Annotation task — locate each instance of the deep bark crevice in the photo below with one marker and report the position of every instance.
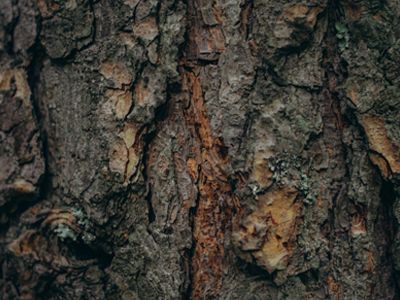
(210, 212)
(149, 137)
(161, 114)
(334, 124)
(33, 74)
(37, 56)
(390, 228)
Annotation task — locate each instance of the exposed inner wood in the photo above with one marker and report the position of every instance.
(212, 216)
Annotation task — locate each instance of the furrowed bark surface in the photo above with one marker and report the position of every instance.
(229, 149)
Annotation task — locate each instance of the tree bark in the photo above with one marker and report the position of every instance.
(228, 149)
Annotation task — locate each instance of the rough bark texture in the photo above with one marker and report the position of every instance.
(227, 149)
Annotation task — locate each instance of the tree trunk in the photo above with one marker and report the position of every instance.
(167, 149)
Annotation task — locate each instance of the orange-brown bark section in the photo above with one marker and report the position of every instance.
(213, 212)
(206, 39)
(207, 166)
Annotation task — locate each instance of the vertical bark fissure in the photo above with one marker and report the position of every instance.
(160, 116)
(388, 199)
(211, 217)
(333, 130)
(212, 212)
(335, 75)
(150, 210)
(33, 78)
(246, 17)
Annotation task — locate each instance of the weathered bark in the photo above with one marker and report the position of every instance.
(199, 149)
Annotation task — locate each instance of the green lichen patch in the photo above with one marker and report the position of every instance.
(343, 36)
(305, 188)
(284, 166)
(64, 232)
